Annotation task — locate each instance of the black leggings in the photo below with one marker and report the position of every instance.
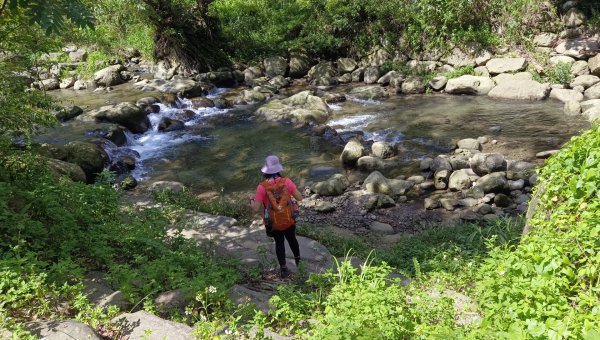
(290, 235)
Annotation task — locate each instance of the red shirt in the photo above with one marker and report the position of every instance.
(261, 193)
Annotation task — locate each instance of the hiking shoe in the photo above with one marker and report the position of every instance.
(297, 260)
(285, 273)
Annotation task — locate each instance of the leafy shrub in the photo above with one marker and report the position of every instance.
(560, 74)
(461, 71)
(96, 61)
(547, 286)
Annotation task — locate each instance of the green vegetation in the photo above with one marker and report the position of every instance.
(560, 74)
(461, 71)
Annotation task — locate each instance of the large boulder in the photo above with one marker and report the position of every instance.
(379, 184)
(109, 76)
(90, 157)
(368, 92)
(371, 74)
(139, 324)
(459, 180)
(516, 170)
(383, 149)
(593, 92)
(68, 113)
(352, 152)
(47, 84)
(503, 65)
(592, 114)
(594, 65)
(181, 87)
(275, 66)
(486, 163)
(61, 330)
(70, 170)
(545, 39)
(334, 186)
(299, 108)
(323, 74)
(413, 85)
(586, 81)
(346, 65)
(458, 58)
(469, 143)
(578, 48)
(574, 18)
(495, 182)
(580, 68)
(127, 114)
(468, 84)
(299, 65)
(522, 89)
(566, 95)
(221, 78)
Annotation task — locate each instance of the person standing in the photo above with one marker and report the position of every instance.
(274, 195)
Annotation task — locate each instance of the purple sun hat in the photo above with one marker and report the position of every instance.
(272, 165)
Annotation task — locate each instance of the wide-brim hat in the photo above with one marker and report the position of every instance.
(272, 165)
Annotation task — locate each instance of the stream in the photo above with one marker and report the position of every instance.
(222, 150)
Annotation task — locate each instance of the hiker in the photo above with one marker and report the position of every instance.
(274, 195)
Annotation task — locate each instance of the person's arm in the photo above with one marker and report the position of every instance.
(297, 195)
(255, 205)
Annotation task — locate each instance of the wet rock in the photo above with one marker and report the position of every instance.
(486, 163)
(127, 114)
(352, 152)
(459, 180)
(222, 103)
(168, 125)
(68, 113)
(368, 92)
(494, 182)
(502, 201)
(301, 108)
(184, 115)
(381, 228)
(334, 186)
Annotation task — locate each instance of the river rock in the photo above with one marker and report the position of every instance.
(438, 83)
(481, 71)
(459, 180)
(109, 76)
(573, 18)
(592, 114)
(545, 39)
(358, 74)
(580, 68)
(127, 114)
(345, 78)
(467, 84)
(504, 65)
(413, 85)
(323, 74)
(578, 48)
(275, 66)
(469, 143)
(137, 325)
(565, 95)
(334, 186)
(381, 228)
(61, 330)
(379, 201)
(546, 154)
(589, 104)
(299, 65)
(431, 203)
(368, 92)
(388, 78)
(300, 108)
(521, 90)
(181, 87)
(449, 203)
(252, 73)
(346, 65)
(561, 59)
(425, 164)
(166, 186)
(67, 82)
(72, 171)
(371, 74)
(594, 65)
(90, 157)
(503, 77)
(352, 152)
(474, 192)
(440, 163)
(324, 207)
(458, 58)
(486, 163)
(502, 201)
(572, 108)
(68, 113)
(47, 84)
(252, 96)
(378, 57)
(370, 163)
(383, 149)
(459, 162)
(586, 81)
(593, 92)
(377, 183)
(440, 178)
(494, 182)
(167, 125)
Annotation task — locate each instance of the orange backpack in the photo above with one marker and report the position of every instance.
(279, 210)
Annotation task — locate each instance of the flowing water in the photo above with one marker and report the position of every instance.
(223, 150)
